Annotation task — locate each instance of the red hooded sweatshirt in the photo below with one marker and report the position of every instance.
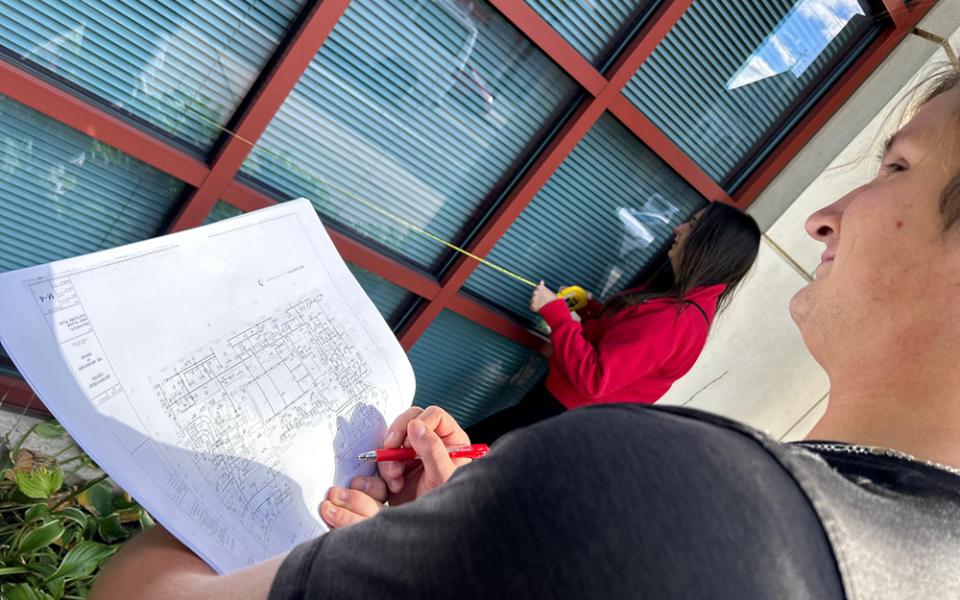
(634, 355)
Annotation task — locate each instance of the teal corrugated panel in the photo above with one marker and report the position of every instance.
(181, 66)
(730, 77)
(63, 193)
(388, 298)
(220, 211)
(589, 25)
(604, 215)
(420, 107)
(470, 371)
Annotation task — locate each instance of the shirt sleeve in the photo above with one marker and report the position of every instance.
(630, 350)
(466, 534)
(642, 503)
(591, 310)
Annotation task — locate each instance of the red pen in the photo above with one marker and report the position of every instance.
(398, 454)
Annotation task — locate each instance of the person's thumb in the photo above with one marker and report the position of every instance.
(437, 464)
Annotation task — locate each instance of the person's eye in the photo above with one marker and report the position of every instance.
(891, 166)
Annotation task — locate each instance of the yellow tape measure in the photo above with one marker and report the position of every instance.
(574, 295)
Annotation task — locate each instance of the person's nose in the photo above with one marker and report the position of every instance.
(824, 225)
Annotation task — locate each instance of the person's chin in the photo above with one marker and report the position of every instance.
(807, 302)
(800, 303)
(822, 270)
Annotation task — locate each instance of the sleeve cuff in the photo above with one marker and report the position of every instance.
(293, 576)
(555, 313)
(592, 309)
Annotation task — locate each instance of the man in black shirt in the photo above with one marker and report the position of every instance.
(628, 501)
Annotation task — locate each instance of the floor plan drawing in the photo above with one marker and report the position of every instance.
(225, 376)
(243, 398)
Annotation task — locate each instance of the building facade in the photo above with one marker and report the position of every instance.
(563, 140)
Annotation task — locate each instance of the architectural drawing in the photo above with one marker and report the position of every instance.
(225, 376)
(237, 404)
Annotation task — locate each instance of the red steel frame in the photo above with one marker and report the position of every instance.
(552, 44)
(287, 70)
(561, 146)
(217, 181)
(899, 12)
(905, 20)
(69, 110)
(17, 394)
(247, 199)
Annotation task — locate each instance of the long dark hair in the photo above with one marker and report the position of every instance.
(721, 248)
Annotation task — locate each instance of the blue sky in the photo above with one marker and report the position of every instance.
(797, 40)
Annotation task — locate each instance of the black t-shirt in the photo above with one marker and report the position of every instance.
(619, 501)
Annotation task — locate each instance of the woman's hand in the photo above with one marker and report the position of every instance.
(541, 297)
(428, 431)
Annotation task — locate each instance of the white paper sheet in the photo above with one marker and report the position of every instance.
(224, 376)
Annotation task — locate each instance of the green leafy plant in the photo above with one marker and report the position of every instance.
(56, 530)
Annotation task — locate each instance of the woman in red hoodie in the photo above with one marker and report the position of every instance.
(635, 346)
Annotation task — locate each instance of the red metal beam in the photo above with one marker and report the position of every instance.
(552, 44)
(898, 11)
(641, 48)
(643, 45)
(61, 106)
(276, 86)
(15, 393)
(78, 114)
(527, 20)
(494, 321)
(667, 150)
(246, 198)
(557, 151)
(814, 120)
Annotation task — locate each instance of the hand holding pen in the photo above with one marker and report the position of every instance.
(403, 454)
(429, 433)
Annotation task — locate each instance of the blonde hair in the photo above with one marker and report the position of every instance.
(940, 80)
(939, 83)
